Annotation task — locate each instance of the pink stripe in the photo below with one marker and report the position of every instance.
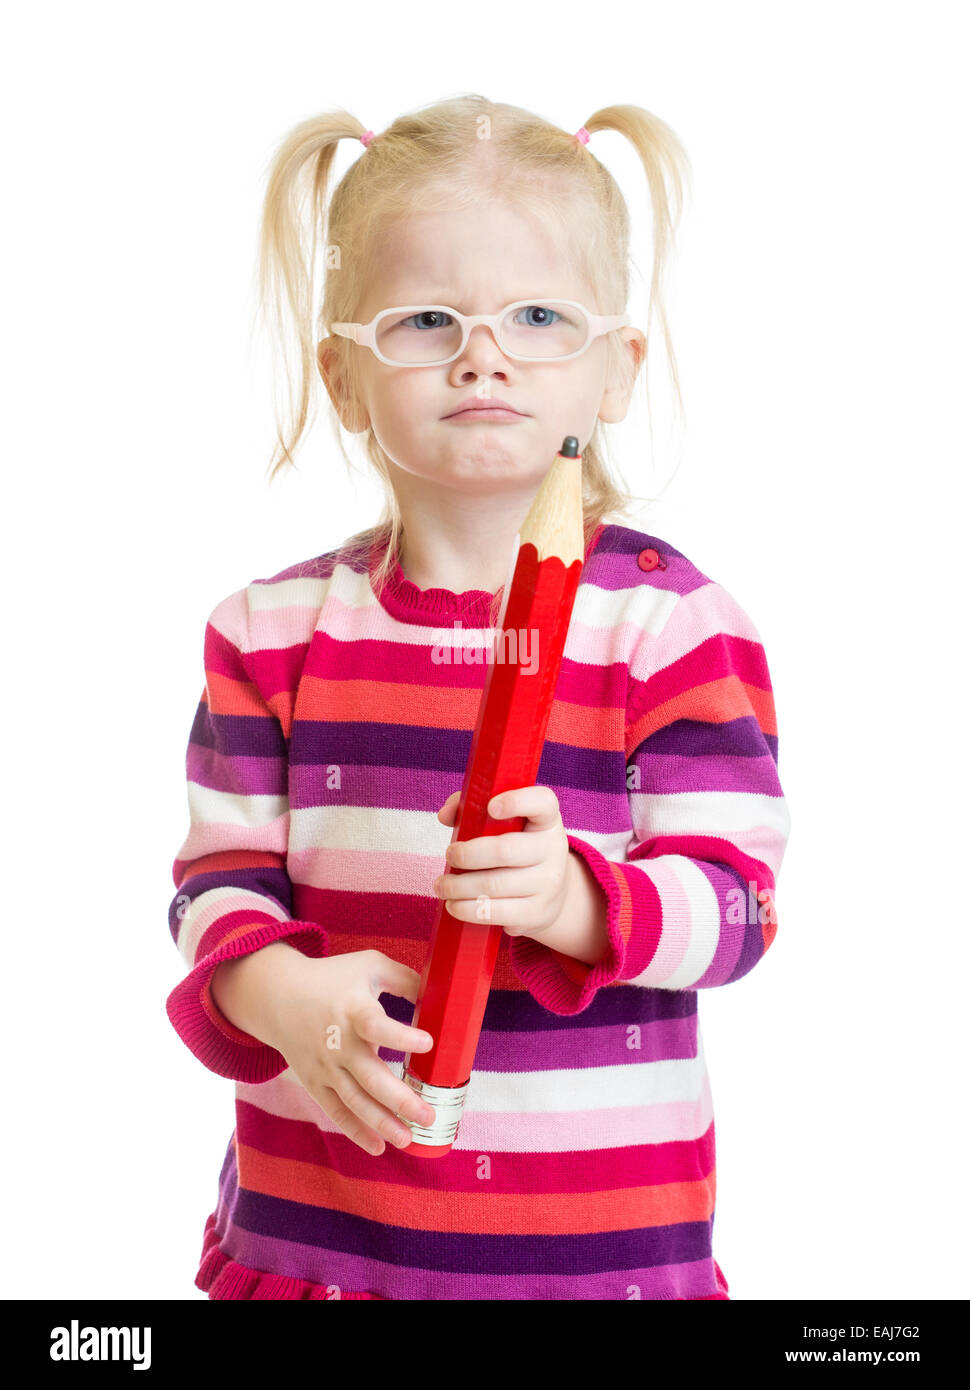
(676, 925)
(211, 837)
(366, 871)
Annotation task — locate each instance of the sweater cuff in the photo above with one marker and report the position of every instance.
(218, 1044)
(560, 983)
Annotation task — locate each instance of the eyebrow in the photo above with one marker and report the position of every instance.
(455, 301)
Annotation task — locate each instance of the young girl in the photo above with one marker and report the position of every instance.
(330, 744)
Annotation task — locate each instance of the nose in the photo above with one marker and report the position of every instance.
(482, 355)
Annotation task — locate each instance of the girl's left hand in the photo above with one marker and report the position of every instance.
(522, 876)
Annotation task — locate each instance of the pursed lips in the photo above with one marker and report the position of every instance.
(483, 409)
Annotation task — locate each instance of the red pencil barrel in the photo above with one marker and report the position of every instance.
(506, 752)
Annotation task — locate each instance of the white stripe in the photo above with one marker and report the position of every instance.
(691, 914)
(391, 831)
(708, 813)
(287, 593)
(208, 806)
(630, 1084)
(642, 607)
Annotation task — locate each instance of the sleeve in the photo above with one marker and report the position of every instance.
(234, 895)
(692, 903)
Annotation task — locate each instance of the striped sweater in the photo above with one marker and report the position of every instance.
(326, 739)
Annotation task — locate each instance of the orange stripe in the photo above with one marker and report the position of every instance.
(713, 703)
(227, 696)
(474, 1213)
(455, 708)
(585, 726)
(763, 704)
(388, 702)
(282, 706)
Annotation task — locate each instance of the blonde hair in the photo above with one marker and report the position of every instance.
(446, 156)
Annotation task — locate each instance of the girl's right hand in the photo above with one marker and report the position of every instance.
(323, 1015)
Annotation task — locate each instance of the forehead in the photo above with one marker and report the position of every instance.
(476, 260)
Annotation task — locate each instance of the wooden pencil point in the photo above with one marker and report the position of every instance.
(554, 524)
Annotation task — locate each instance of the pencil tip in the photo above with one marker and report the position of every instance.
(570, 447)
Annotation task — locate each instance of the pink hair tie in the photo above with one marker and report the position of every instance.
(582, 135)
(367, 137)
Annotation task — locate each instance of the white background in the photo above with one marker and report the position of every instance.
(819, 312)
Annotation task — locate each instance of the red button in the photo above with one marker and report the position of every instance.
(649, 560)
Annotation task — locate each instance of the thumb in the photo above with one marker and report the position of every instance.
(394, 977)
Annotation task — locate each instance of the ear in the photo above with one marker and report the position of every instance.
(617, 393)
(353, 418)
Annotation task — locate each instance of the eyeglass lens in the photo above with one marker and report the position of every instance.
(546, 329)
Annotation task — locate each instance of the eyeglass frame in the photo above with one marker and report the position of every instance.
(365, 334)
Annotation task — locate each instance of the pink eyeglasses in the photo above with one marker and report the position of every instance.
(425, 335)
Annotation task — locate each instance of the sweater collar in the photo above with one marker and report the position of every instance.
(407, 603)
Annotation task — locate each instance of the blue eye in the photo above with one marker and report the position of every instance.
(547, 315)
(436, 315)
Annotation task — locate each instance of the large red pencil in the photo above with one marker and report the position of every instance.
(505, 753)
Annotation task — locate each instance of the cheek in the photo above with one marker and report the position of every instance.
(411, 397)
(399, 405)
(583, 390)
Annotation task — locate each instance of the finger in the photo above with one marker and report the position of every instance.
(376, 1027)
(514, 849)
(492, 883)
(370, 1123)
(333, 1097)
(539, 805)
(515, 915)
(347, 1122)
(378, 1081)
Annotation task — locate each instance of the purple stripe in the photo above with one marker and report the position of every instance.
(665, 1041)
(740, 738)
(665, 773)
(400, 1282)
(413, 788)
(613, 565)
(670, 1015)
(245, 776)
(452, 1252)
(258, 735)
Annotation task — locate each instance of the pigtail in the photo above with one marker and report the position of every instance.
(668, 171)
(292, 232)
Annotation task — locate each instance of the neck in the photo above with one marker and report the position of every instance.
(460, 553)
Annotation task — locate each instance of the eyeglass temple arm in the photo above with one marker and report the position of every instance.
(603, 323)
(346, 330)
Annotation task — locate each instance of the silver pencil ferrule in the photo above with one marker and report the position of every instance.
(447, 1103)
